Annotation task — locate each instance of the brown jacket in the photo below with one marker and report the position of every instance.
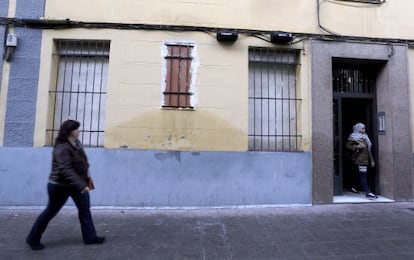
(360, 156)
(69, 166)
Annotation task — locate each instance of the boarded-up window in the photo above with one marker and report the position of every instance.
(177, 93)
(81, 86)
(273, 102)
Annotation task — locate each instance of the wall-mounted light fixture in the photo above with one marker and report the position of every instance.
(11, 45)
(227, 36)
(281, 37)
(381, 123)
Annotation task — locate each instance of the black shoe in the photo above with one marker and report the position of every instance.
(97, 240)
(35, 245)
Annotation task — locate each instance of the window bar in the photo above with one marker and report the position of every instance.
(282, 93)
(55, 97)
(352, 75)
(355, 80)
(169, 85)
(296, 113)
(345, 85)
(93, 95)
(289, 102)
(342, 81)
(69, 71)
(261, 100)
(254, 102)
(268, 101)
(100, 89)
(180, 59)
(86, 95)
(73, 60)
(351, 78)
(79, 81)
(188, 77)
(275, 73)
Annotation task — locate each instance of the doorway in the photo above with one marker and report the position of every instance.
(353, 102)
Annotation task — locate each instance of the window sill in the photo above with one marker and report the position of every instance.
(179, 108)
(366, 1)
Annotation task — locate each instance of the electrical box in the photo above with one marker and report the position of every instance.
(281, 37)
(227, 36)
(11, 40)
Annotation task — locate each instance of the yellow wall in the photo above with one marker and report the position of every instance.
(391, 19)
(134, 117)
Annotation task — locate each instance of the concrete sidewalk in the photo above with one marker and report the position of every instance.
(362, 231)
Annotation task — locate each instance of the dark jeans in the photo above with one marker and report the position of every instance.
(58, 195)
(362, 178)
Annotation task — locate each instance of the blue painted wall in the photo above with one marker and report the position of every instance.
(166, 179)
(24, 76)
(4, 9)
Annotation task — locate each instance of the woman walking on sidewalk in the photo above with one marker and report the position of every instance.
(360, 146)
(69, 178)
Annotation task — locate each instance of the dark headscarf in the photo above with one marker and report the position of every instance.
(65, 129)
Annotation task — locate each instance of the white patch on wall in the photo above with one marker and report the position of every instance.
(195, 63)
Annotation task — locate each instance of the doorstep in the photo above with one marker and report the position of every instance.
(349, 197)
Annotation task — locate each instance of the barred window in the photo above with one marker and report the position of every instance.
(177, 93)
(80, 91)
(273, 102)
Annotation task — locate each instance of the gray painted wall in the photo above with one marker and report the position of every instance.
(23, 79)
(392, 97)
(166, 179)
(4, 9)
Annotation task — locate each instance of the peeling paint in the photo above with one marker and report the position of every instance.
(168, 155)
(174, 130)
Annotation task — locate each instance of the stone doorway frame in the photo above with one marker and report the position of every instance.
(395, 147)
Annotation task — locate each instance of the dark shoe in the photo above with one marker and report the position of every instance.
(97, 240)
(371, 195)
(35, 245)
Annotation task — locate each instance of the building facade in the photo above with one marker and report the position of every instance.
(172, 116)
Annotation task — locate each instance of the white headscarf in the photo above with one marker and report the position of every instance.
(358, 136)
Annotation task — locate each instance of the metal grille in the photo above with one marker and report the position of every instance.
(177, 91)
(81, 86)
(273, 102)
(353, 80)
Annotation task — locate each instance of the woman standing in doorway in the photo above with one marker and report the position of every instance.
(69, 178)
(360, 146)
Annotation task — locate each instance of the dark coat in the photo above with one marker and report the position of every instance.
(69, 166)
(359, 156)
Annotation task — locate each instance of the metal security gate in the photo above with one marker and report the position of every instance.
(354, 85)
(81, 87)
(273, 100)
